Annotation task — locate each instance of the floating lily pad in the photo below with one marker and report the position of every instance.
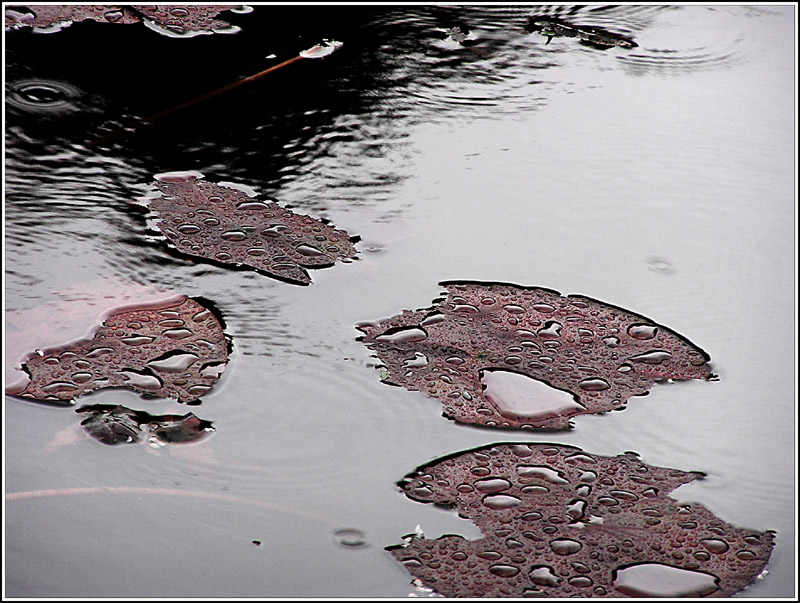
(552, 27)
(559, 522)
(170, 19)
(175, 349)
(509, 356)
(226, 226)
(121, 425)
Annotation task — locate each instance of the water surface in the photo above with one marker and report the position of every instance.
(659, 179)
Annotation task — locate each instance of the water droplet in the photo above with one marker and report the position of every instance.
(188, 229)
(550, 330)
(253, 205)
(543, 576)
(178, 177)
(197, 390)
(143, 381)
(171, 322)
(403, 335)
(542, 472)
(594, 385)
(565, 546)
(177, 333)
(81, 377)
(465, 308)
(659, 580)
(519, 396)
(611, 341)
(419, 360)
(503, 570)
(433, 319)
(581, 581)
(173, 363)
(137, 340)
(715, 545)
(624, 495)
(234, 235)
(490, 485)
(309, 251)
(577, 509)
(501, 501)
(746, 555)
(490, 555)
(59, 387)
(642, 331)
(514, 309)
(653, 357)
(544, 308)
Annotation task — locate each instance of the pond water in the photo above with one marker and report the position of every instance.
(659, 179)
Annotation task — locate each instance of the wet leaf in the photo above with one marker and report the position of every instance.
(172, 349)
(121, 425)
(53, 15)
(226, 226)
(170, 19)
(509, 356)
(559, 522)
(594, 36)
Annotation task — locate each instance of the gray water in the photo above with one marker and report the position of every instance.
(659, 179)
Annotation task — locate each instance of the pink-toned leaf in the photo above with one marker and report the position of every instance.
(559, 522)
(184, 19)
(173, 349)
(228, 227)
(508, 356)
(173, 19)
(47, 15)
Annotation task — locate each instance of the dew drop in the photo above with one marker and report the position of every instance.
(551, 330)
(309, 251)
(188, 229)
(137, 340)
(519, 396)
(503, 570)
(501, 501)
(142, 381)
(715, 545)
(81, 377)
(491, 485)
(59, 387)
(653, 357)
(565, 546)
(177, 333)
(659, 580)
(543, 576)
(594, 385)
(403, 335)
(173, 363)
(541, 472)
(234, 235)
(642, 331)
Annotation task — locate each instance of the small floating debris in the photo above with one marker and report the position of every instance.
(121, 425)
(502, 355)
(559, 522)
(552, 27)
(228, 227)
(174, 349)
(167, 19)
